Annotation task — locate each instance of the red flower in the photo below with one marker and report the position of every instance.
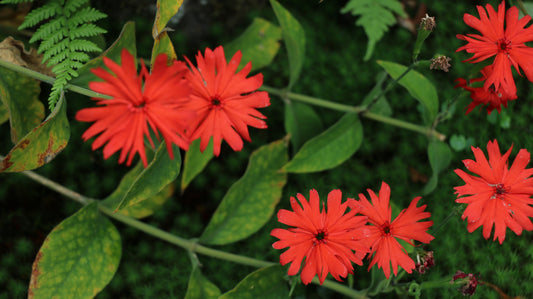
(482, 96)
(326, 239)
(384, 233)
(499, 195)
(507, 45)
(123, 120)
(225, 102)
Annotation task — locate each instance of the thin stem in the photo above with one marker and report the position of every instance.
(311, 100)
(356, 109)
(389, 86)
(439, 283)
(191, 246)
(50, 80)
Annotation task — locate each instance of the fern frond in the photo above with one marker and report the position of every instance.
(14, 1)
(79, 56)
(40, 14)
(84, 45)
(53, 39)
(85, 15)
(57, 49)
(49, 29)
(85, 30)
(375, 16)
(62, 38)
(72, 5)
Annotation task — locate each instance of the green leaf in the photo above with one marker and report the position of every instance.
(4, 114)
(126, 40)
(160, 172)
(144, 208)
(163, 45)
(250, 202)
(20, 97)
(265, 283)
(458, 142)
(381, 106)
(166, 9)
(40, 145)
(329, 149)
(200, 287)
(301, 122)
(195, 162)
(78, 258)
(375, 16)
(259, 43)
(418, 86)
(294, 38)
(440, 156)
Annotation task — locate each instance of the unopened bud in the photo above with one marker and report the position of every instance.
(428, 23)
(440, 62)
(469, 282)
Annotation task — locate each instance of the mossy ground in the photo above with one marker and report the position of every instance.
(333, 70)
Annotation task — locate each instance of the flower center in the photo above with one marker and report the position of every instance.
(385, 228)
(499, 191)
(216, 103)
(320, 237)
(504, 45)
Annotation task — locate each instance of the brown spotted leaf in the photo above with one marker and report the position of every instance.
(40, 145)
(78, 258)
(20, 96)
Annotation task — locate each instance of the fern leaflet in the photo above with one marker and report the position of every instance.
(375, 16)
(65, 25)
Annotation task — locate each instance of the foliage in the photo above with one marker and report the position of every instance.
(63, 38)
(375, 16)
(218, 190)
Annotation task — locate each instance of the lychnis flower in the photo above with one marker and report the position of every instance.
(326, 239)
(384, 233)
(123, 121)
(498, 196)
(225, 102)
(486, 96)
(507, 45)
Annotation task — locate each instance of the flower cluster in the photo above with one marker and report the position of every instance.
(331, 240)
(210, 101)
(503, 36)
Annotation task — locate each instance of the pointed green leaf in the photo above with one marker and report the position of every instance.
(264, 283)
(126, 40)
(144, 208)
(160, 172)
(329, 149)
(259, 43)
(195, 162)
(294, 38)
(42, 144)
(78, 258)
(163, 45)
(440, 156)
(250, 201)
(301, 122)
(200, 287)
(166, 9)
(4, 114)
(20, 97)
(418, 86)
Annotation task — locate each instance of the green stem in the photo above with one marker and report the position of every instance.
(356, 109)
(439, 283)
(189, 245)
(50, 80)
